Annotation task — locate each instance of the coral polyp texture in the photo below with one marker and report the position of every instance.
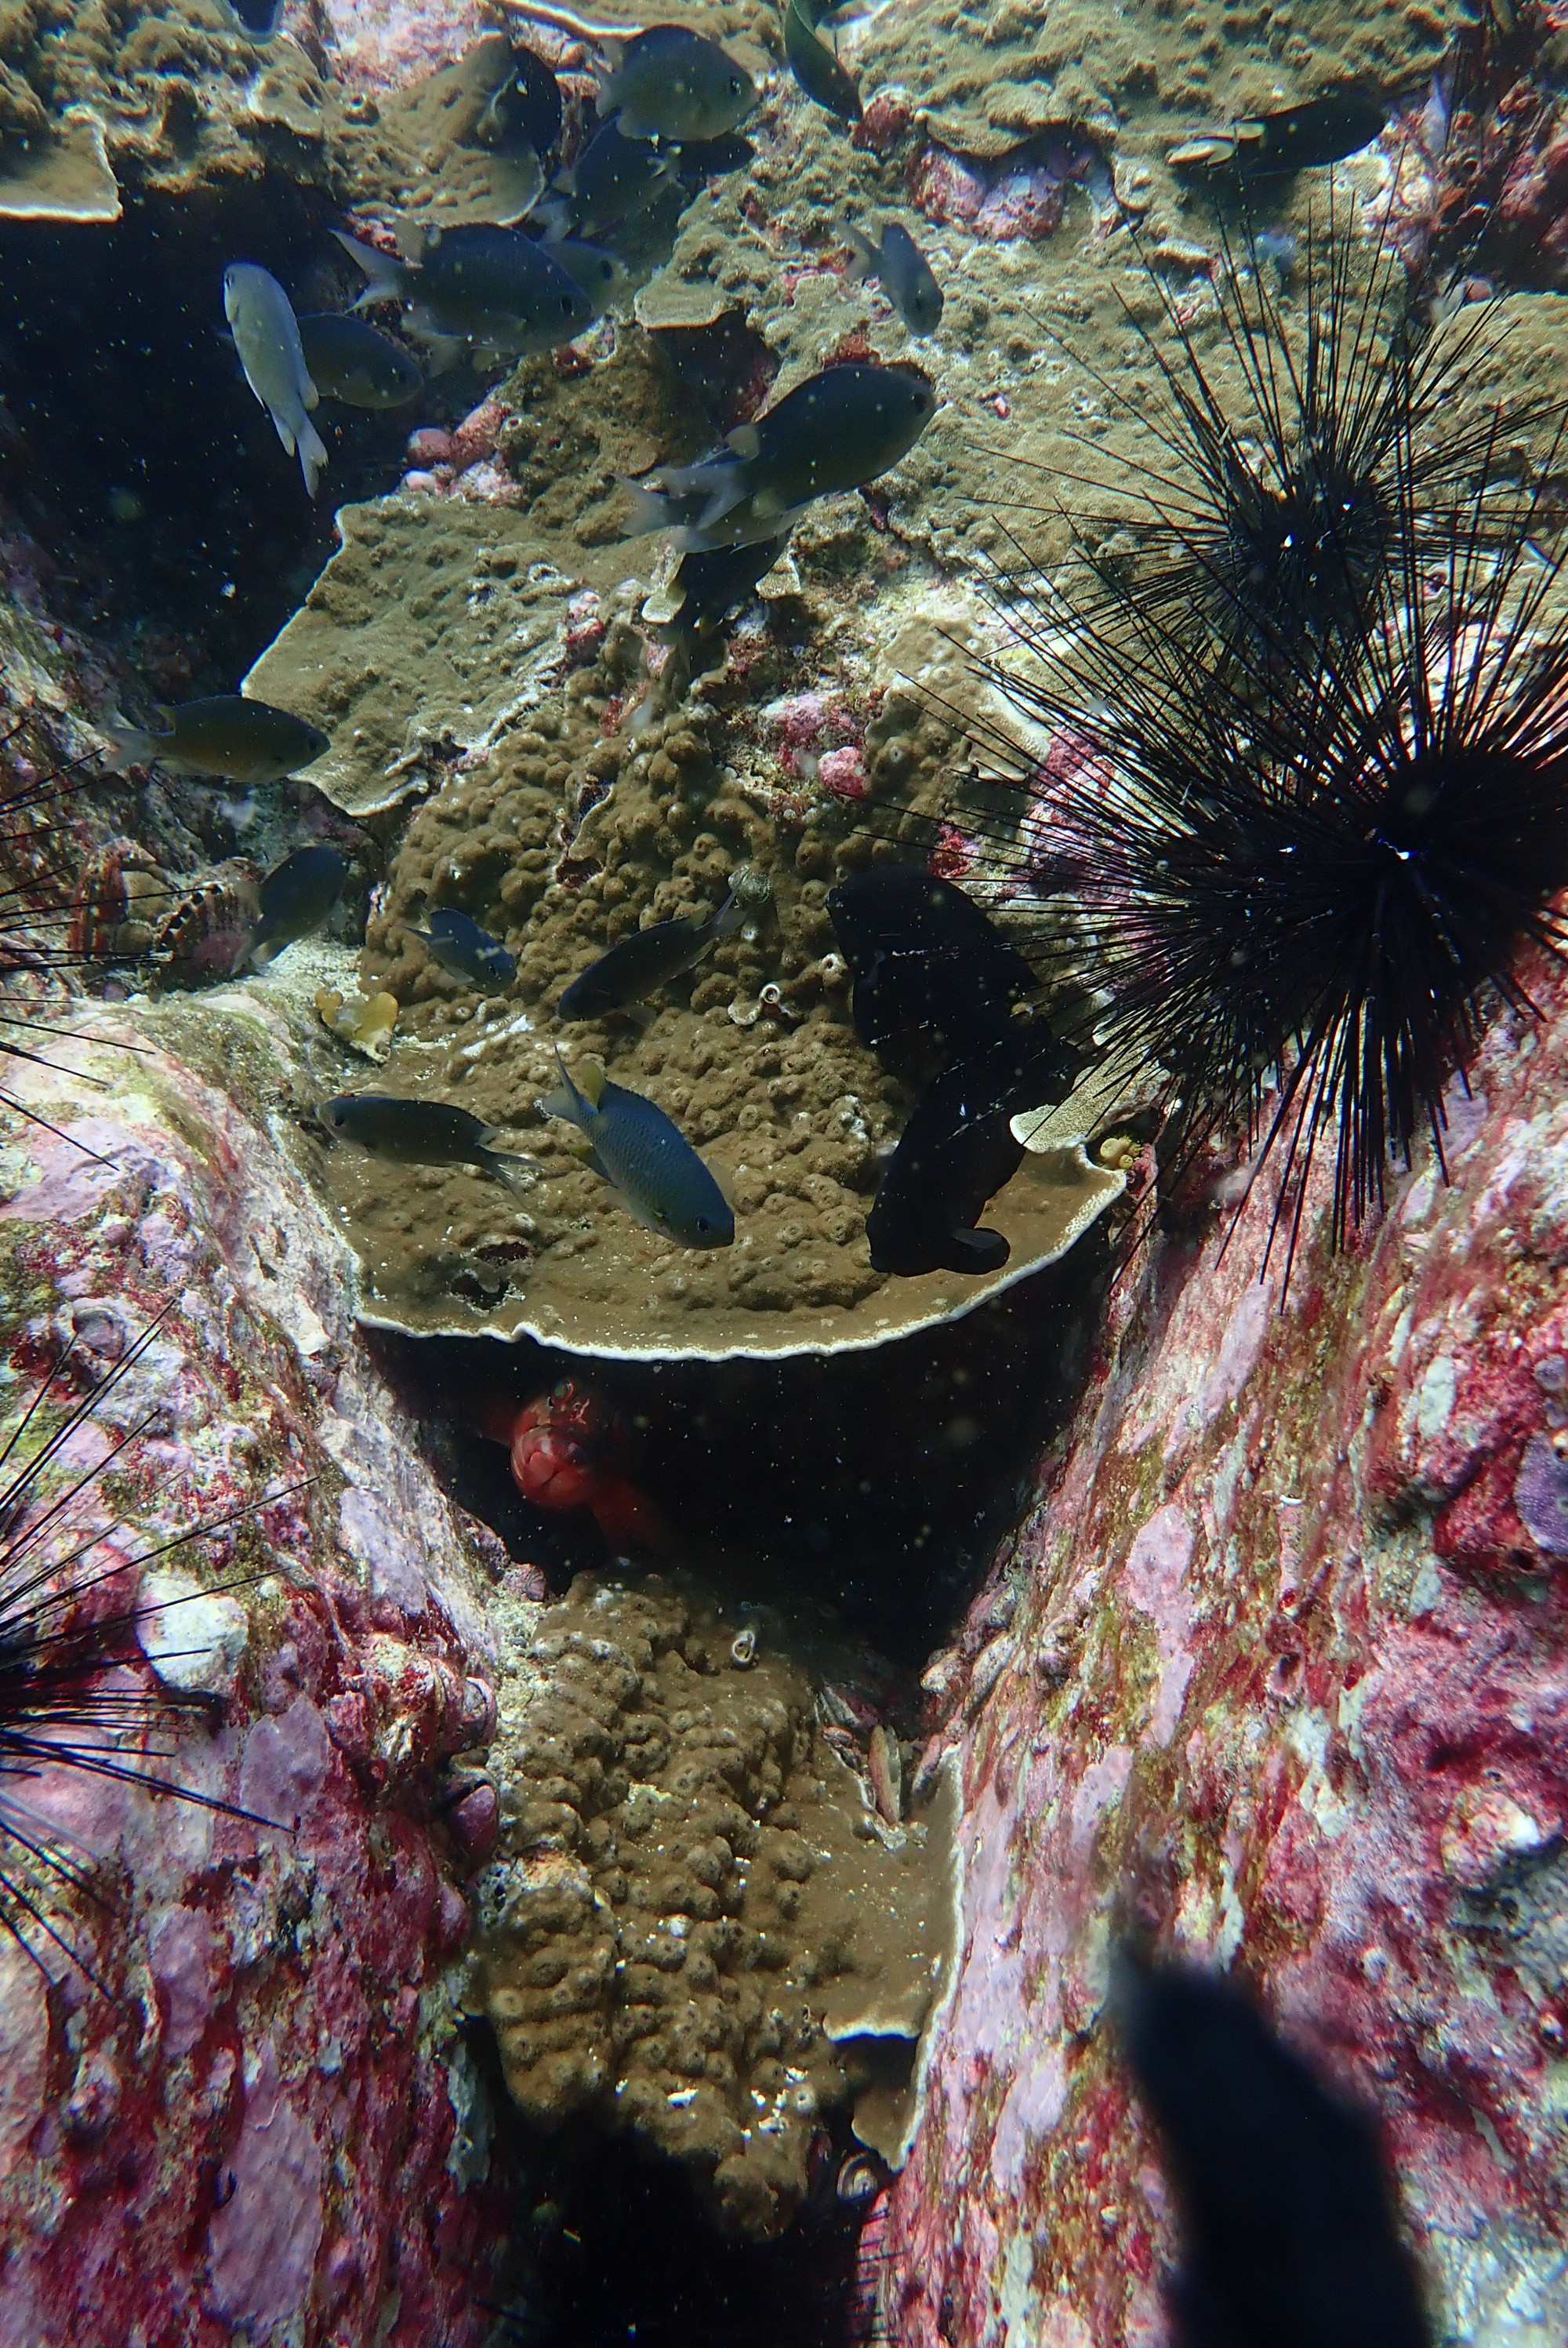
(699, 1930)
(1271, 1672)
(241, 2108)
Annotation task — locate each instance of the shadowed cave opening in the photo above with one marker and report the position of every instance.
(133, 450)
(877, 1485)
(609, 2247)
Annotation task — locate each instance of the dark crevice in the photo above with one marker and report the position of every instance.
(611, 2246)
(878, 1483)
(133, 450)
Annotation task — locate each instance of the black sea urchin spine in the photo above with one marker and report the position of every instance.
(1264, 514)
(62, 1632)
(1305, 907)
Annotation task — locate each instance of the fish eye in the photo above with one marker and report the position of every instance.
(704, 1224)
(567, 305)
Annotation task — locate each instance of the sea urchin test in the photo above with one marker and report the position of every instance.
(487, 285)
(227, 735)
(645, 1158)
(838, 431)
(672, 83)
(267, 337)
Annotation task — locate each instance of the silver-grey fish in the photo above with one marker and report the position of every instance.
(672, 83)
(463, 949)
(635, 966)
(486, 284)
(350, 360)
(248, 742)
(296, 897)
(612, 179)
(905, 272)
(602, 274)
(267, 337)
(645, 1158)
(424, 1133)
(835, 431)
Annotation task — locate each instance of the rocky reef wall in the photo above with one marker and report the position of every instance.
(254, 2074)
(1274, 1670)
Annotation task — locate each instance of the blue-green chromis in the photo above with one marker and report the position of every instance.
(645, 1158)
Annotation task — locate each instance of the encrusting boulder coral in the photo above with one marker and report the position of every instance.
(697, 1927)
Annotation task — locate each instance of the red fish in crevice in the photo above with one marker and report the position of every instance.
(566, 1452)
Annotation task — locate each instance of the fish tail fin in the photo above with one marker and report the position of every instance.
(627, 1518)
(313, 457)
(592, 1082)
(867, 256)
(727, 495)
(732, 912)
(566, 1101)
(442, 352)
(649, 509)
(129, 746)
(384, 270)
(518, 1173)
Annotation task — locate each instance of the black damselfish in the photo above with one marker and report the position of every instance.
(957, 1150)
(1322, 130)
(932, 974)
(1290, 2234)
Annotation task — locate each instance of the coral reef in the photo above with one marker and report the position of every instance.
(266, 2123)
(699, 1929)
(1273, 1669)
(752, 1051)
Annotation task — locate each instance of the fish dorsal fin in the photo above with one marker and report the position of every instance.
(590, 1082)
(745, 440)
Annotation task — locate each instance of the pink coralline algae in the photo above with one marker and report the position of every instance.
(1016, 199)
(385, 44)
(259, 2128)
(843, 772)
(463, 463)
(1274, 1670)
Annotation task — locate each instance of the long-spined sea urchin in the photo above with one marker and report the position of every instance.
(1308, 907)
(66, 1637)
(1263, 511)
